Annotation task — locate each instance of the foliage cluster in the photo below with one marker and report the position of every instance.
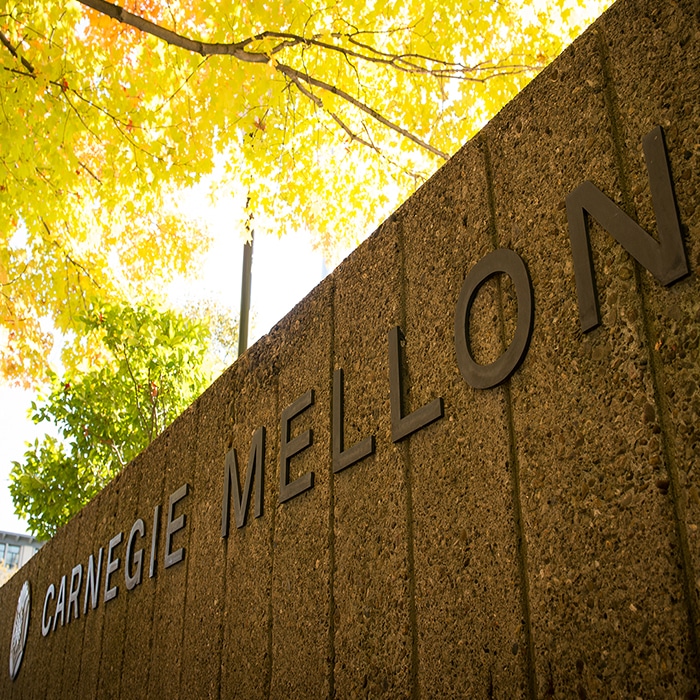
(154, 364)
(309, 114)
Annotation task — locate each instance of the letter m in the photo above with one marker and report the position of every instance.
(256, 462)
(664, 258)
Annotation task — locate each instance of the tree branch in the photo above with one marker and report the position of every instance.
(319, 102)
(292, 73)
(14, 279)
(8, 45)
(136, 387)
(237, 50)
(201, 47)
(89, 172)
(67, 255)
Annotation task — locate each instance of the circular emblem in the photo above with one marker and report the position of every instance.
(20, 629)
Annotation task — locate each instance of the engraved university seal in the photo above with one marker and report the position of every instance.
(20, 629)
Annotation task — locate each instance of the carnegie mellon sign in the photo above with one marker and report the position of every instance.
(131, 556)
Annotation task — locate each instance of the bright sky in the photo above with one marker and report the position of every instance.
(15, 430)
(284, 271)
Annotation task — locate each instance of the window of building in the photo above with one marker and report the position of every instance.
(12, 556)
(2, 552)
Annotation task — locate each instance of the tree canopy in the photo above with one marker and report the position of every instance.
(152, 365)
(309, 114)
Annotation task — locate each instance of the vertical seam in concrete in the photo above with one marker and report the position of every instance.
(404, 450)
(270, 609)
(188, 556)
(126, 622)
(82, 640)
(158, 568)
(224, 598)
(104, 605)
(81, 618)
(102, 640)
(331, 514)
(64, 628)
(520, 540)
(75, 619)
(655, 369)
(126, 605)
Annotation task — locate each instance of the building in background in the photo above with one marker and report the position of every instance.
(16, 550)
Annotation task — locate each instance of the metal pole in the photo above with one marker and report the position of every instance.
(245, 295)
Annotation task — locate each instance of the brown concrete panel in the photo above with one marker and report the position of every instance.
(171, 583)
(113, 612)
(69, 671)
(10, 592)
(301, 562)
(61, 552)
(204, 599)
(251, 403)
(32, 660)
(471, 640)
(141, 600)
(98, 526)
(655, 73)
(371, 617)
(605, 590)
(116, 611)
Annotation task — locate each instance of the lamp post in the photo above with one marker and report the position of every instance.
(245, 294)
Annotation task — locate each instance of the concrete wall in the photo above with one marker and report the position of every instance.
(539, 539)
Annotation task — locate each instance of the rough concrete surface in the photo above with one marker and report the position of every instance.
(246, 662)
(300, 595)
(465, 535)
(142, 601)
(372, 617)
(536, 539)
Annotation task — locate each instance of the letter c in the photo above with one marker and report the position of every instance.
(46, 626)
(487, 376)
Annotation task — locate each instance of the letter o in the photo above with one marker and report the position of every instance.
(487, 376)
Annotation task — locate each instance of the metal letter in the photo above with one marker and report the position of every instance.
(403, 426)
(112, 566)
(77, 573)
(256, 463)
(343, 458)
(289, 448)
(154, 541)
(138, 528)
(173, 526)
(486, 376)
(92, 582)
(46, 626)
(60, 604)
(665, 259)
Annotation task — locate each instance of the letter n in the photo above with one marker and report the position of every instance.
(256, 463)
(664, 258)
